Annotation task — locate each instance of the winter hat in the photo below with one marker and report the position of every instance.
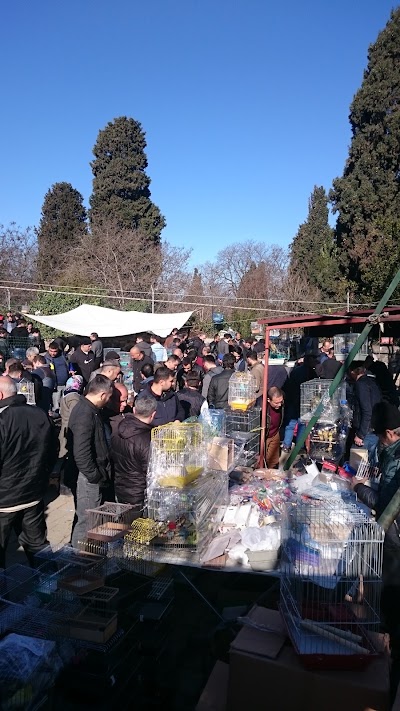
(112, 355)
(74, 384)
(385, 416)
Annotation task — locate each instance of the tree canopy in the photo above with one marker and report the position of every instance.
(121, 186)
(367, 197)
(62, 224)
(312, 252)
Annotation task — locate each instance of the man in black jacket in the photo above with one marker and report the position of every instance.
(169, 409)
(88, 444)
(139, 359)
(219, 386)
(83, 360)
(130, 447)
(27, 455)
(386, 423)
(190, 397)
(366, 394)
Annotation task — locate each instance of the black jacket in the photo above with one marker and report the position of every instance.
(218, 390)
(130, 446)
(168, 406)
(137, 365)
(84, 364)
(27, 452)
(328, 369)
(389, 464)
(191, 401)
(366, 395)
(87, 442)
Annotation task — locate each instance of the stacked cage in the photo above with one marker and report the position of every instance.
(344, 342)
(242, 391)
(109, 522)
(245, 428)
(331, 582)
(326, 440)
(182, 496)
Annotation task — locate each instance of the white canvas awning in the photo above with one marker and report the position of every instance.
(108, 322)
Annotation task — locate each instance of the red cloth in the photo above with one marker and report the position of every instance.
(276, 416)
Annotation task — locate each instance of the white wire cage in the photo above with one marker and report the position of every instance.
(242, 391)
(311, 394)
(344, 342)
(331, 581)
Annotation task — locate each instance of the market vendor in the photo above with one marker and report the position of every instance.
(275, 412)
(386, 424)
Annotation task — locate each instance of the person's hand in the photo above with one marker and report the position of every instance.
(358, 441)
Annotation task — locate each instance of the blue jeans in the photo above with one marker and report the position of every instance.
(289, 431)
(88, 496)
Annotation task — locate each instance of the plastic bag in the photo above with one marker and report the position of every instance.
(267, 538)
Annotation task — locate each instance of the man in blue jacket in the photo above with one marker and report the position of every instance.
(169, 409)
(57, 362)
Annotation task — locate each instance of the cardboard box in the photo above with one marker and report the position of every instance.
(221, 453)
(265, 671)
(214, 693)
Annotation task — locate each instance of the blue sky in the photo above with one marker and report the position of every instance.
(244, 102)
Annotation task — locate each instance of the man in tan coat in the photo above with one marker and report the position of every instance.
(256, 368)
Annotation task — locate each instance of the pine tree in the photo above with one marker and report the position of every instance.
(120, 185)
(367, 196)
(62, 224)
(312, 252)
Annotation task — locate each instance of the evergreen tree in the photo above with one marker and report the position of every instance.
(120, 185)
(62, 224)
(312, 252)
(367, 196)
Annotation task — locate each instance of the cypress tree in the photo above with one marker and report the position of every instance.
(312, 251)
(62, 224)
(121, 186)
(367, 197)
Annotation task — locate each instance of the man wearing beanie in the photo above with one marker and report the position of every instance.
(386, 424)
(83, 361)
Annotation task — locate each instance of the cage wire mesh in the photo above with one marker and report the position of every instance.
(311, 394)
(331, 581)
(177, 455)
(326, 442)
(242, 391)
(109, 521)
(245, 430)
(368, 471)
(344, 342)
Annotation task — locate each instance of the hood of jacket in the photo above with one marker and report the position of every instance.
(131, 426)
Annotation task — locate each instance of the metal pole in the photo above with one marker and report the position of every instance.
(264, 401)
(348, 302)
(152, 299)
(340, 375)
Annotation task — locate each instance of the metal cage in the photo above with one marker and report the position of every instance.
(331, 581)
(311, 394)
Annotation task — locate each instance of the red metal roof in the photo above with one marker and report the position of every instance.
(335, 319)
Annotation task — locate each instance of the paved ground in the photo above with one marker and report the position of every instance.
(59, 516)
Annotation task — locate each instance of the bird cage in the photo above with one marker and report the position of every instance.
(27, 388)
(177, 455)
(242, 391)
(245, 430)
(326, 442)
(344, 342)
(175, 437)
(311, 394)
(331, 582)
(366, 470)
(109, 522)
(187, 518)
(248, 421)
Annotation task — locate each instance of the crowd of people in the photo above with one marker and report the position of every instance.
(87, 428)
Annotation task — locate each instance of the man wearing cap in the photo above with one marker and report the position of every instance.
(83, 361)
(386, 424)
